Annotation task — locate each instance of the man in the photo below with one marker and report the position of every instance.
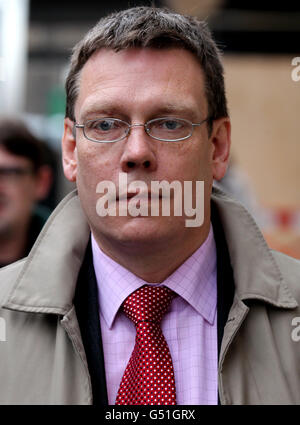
(24, 180)
(144, 308)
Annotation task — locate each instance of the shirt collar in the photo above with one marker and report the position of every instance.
(115, 283)
(194, 281)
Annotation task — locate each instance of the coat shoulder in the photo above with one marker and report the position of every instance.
(290, 270)
(8, 277)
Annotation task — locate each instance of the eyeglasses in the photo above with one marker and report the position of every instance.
(166, 129)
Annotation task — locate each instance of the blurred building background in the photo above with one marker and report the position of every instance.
(260, 40)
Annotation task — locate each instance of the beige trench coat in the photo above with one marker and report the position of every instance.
(43, 361)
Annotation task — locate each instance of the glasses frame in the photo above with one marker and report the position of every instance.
(146, 128)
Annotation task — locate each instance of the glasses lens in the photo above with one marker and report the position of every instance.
(170, 129)
(105, 130)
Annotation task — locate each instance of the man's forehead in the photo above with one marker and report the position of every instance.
(164, 71)
(176, 63)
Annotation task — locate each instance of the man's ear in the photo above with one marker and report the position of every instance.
(69, 151)
(220, 139)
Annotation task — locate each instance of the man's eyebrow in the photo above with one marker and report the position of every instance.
(95, 110)
(182, 109)
(187, 110)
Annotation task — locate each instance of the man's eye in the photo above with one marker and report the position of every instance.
(104, 125)
(171, 125)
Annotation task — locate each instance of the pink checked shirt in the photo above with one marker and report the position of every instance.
(190, 326)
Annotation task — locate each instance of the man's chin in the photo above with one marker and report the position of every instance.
(138, 231)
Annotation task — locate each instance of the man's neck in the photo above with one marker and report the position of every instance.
(154, 261)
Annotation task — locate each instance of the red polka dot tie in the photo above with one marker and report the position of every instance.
(149, 376)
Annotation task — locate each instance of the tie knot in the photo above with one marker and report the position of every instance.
(148, 303)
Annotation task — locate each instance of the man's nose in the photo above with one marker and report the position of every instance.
(139, 151)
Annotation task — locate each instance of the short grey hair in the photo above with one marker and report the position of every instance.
(151, 27)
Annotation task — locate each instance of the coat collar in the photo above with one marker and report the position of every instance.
(47, 279)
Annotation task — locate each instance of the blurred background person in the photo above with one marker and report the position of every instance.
(25, 179)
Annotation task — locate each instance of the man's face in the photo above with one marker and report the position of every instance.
(17, 192)
(137, 85)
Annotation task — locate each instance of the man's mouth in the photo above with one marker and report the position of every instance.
(140, 195)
